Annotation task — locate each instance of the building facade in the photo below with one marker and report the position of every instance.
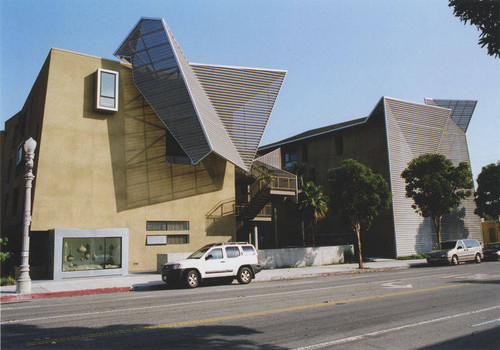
(133, 157)
(392, 135)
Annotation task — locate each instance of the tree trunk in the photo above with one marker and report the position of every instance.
(303, 233)
(437, 225)
(358, 235)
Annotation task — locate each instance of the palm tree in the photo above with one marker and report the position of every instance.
(313, 204)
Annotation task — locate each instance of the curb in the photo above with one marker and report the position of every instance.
(72, 293)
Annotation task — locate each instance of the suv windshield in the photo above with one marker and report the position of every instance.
(448, 245)
(199, 253)
(492, 246)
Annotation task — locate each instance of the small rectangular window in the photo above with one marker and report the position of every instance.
(156, 240)
(107, 90)
(167, 226)
(178, 239)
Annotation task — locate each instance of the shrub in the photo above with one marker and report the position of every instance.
(8, 281)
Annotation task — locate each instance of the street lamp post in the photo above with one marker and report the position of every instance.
(24, 280)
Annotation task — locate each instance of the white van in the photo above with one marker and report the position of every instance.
(455, 252)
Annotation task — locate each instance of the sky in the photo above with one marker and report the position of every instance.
(341, 56)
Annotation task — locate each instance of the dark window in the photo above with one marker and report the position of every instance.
(339, 144)
(232, 252)
(19, 154)
(290, 159)
(167, 225)
(248, 250)
(178, 239)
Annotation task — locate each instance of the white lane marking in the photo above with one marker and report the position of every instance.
(486, 322)
(393, 285)
(51, 306)
(385, 331)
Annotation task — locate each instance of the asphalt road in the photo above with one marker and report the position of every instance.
(420, 308)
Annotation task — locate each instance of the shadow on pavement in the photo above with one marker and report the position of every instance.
(487, 339)
(131, 336)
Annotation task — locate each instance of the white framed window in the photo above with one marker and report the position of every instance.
(107, 90)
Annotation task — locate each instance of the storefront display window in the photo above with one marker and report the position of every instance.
(91, 253)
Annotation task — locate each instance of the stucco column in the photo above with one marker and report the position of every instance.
(256, 236)
(24, 281)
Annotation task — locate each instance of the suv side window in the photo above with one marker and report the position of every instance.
(216, 253)
(232, 252)
(248, 250)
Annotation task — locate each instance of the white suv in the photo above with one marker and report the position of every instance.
(219, 260)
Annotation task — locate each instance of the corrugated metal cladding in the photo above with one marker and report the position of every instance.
(461, 110)
(414, 129)
(243, 99)
(272, 158)
(227, 115)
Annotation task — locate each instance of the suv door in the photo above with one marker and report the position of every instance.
(215, 264)
(233, 259)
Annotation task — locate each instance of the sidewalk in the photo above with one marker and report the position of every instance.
(144, 281)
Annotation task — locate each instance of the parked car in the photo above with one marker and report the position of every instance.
(492, 251)
(220, 260)
(454, 252)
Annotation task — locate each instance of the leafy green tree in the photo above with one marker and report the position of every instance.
(313, 205)
(436, 186)
(4, 255)
(359, 195)
(485, 15)
(487, 196)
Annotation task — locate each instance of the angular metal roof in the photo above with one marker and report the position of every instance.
(461, 110)
(205, 108)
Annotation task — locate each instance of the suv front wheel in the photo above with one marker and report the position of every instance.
(192, 279)
(244, 275)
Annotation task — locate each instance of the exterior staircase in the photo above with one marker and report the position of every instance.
(269, 182)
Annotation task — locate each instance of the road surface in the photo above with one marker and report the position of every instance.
(420, 308)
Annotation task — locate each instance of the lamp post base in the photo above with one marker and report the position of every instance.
(23, 286)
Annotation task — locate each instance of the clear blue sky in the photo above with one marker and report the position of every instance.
(341, 56)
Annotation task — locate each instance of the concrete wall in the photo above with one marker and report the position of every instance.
(297, 257)
(99, 170)
(284, 257)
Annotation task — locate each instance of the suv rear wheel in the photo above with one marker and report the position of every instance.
(244, 275)
(454, 260)
(192, 279)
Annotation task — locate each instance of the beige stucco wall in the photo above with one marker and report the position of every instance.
(101, 170)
